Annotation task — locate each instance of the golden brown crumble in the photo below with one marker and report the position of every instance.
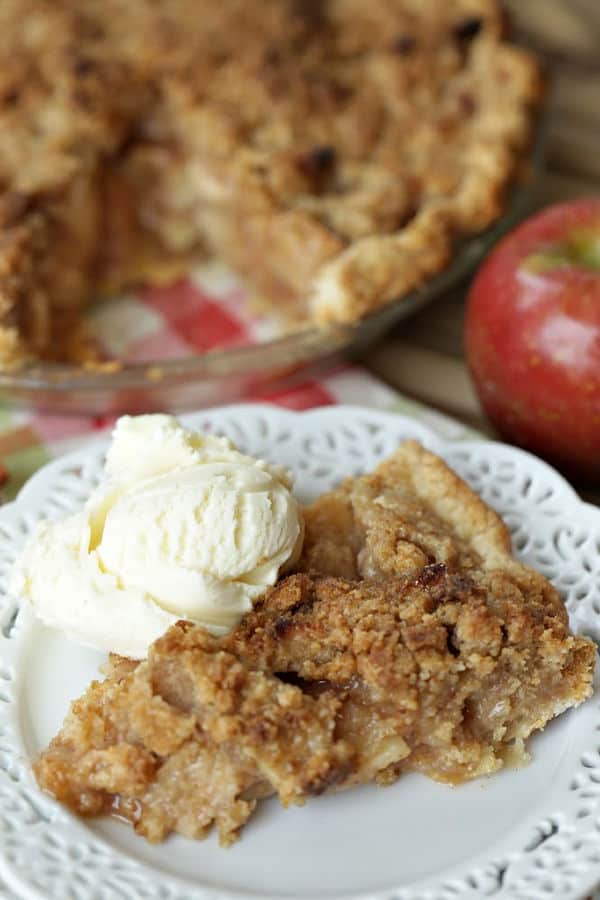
(412, 641)
(328, 152)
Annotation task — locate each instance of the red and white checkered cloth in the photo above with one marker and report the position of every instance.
(207, 310)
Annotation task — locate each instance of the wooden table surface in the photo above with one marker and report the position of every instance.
(424, 357)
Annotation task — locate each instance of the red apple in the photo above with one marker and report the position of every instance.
(533, 336)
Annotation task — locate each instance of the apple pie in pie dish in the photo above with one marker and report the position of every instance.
(407, 638)
(330, 153)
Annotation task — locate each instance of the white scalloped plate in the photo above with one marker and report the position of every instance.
(527, 834)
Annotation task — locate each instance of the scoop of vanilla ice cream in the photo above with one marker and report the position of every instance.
(203, 541)
(184, 526)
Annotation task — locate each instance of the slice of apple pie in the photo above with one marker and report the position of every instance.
(409, 640)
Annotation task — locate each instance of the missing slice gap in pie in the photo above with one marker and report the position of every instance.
(330, 153)
(409, 639)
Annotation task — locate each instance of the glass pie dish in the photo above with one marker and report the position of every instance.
(155, 366)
